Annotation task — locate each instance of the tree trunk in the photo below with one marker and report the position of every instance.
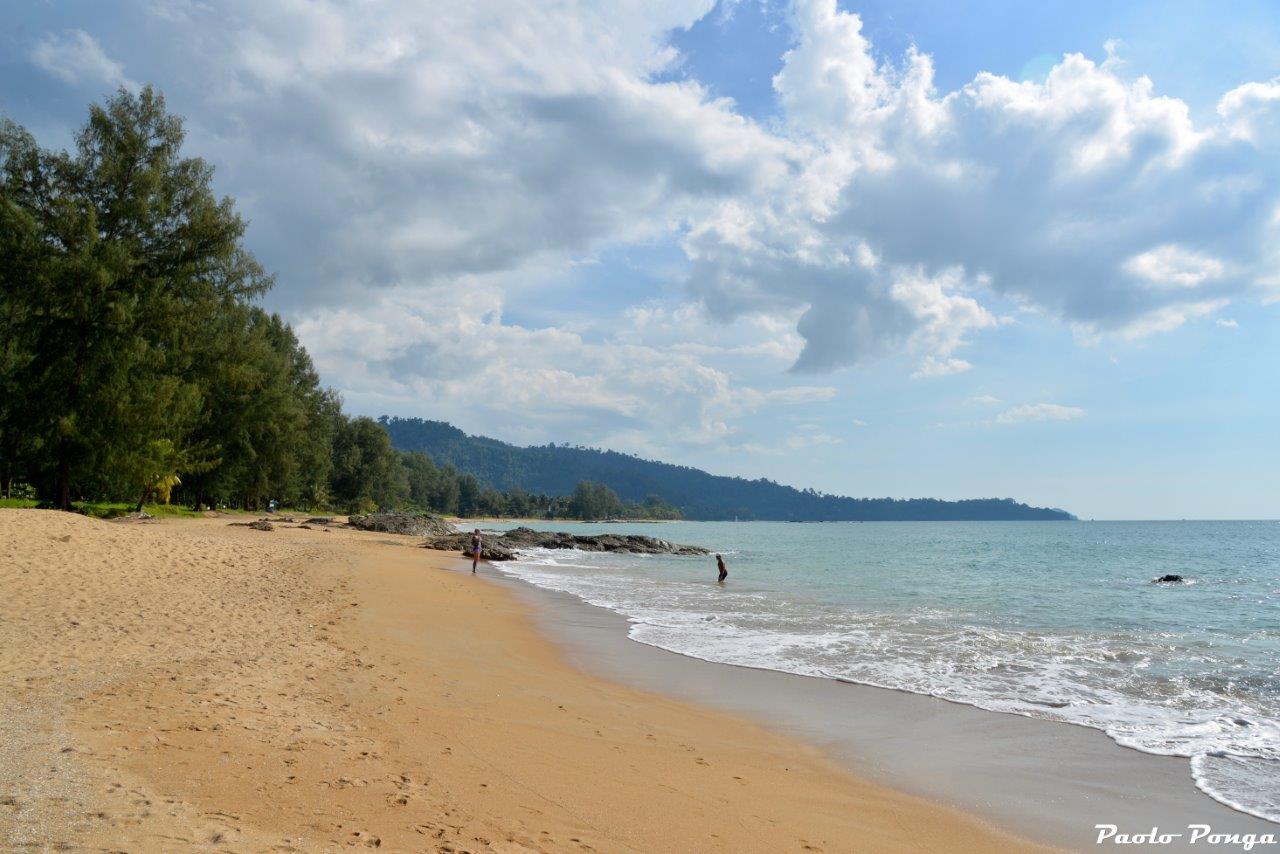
(62, 487)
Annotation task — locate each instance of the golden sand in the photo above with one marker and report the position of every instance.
(193, 684)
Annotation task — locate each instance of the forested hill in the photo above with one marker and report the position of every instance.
(556, 469)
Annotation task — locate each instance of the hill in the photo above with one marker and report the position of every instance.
(557, 469)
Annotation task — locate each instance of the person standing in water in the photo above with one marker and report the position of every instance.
(477, 545)
(724, 572)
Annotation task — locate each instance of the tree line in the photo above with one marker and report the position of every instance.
(135, 365)
(698, 494)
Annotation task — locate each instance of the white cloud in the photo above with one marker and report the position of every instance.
(412, 169)
(1173, 266)
(455, 357)
(792, 443)
(423, 142)
(1039, 412)
(984, 400)
(1227, 323)
(1251, 112)
(76, 57)
(1168, 318)
(1087, 197)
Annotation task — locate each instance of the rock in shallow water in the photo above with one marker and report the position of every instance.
(1168, 579)
(504, 546)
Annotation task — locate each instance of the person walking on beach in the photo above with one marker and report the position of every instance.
(476, 546)
(724, 572)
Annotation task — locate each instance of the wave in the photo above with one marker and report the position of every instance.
(1227, 723)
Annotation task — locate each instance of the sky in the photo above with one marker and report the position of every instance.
(903, 249)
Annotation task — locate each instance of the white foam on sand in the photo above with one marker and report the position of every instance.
(1233, 741)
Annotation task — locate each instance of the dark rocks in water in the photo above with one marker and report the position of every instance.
(633, 543)
(490, 552)
(413, 524)
(460, 541)
(1168, 579)
(504, 546)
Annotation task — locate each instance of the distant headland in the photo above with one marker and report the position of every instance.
(556, 469)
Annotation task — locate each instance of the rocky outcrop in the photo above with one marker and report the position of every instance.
(505, 546)
(1168, 579)
(413, 524)
(460, 541)
(257, 525)
(633, 543)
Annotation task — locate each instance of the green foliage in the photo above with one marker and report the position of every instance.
(134, 365)
(557, 469)
(123, 258)
(367, 472)
(113, 509)
(131, 359)
(594, 501)
(18, 503)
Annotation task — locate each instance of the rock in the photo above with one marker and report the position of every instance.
(262, 525)
(319, 520)
(137, 516)
(413, 524)
(1168, 579)
(491, 552)
(460, 541)
(633, 543)
(505, 546)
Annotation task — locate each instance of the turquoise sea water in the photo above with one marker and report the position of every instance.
(1057, 620)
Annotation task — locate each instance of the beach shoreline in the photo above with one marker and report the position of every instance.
(1045, 780)
(189, 683)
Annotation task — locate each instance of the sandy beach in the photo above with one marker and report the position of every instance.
(191, 683)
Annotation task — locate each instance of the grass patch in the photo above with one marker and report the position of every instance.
(18, 503)
(112, 509)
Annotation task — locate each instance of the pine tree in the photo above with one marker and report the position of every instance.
(135, 258)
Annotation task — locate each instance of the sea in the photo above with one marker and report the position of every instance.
(1054, 620)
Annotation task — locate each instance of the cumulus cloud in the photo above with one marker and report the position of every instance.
(1251, 112)
(455, 357)
(76, 57)
(1088, 197)
(465, 138)
(414, 169)
(1039, 412)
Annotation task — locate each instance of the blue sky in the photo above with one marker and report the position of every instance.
(934, 248)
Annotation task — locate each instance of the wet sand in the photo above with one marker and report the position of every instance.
(190, 684)
(1045, 780)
